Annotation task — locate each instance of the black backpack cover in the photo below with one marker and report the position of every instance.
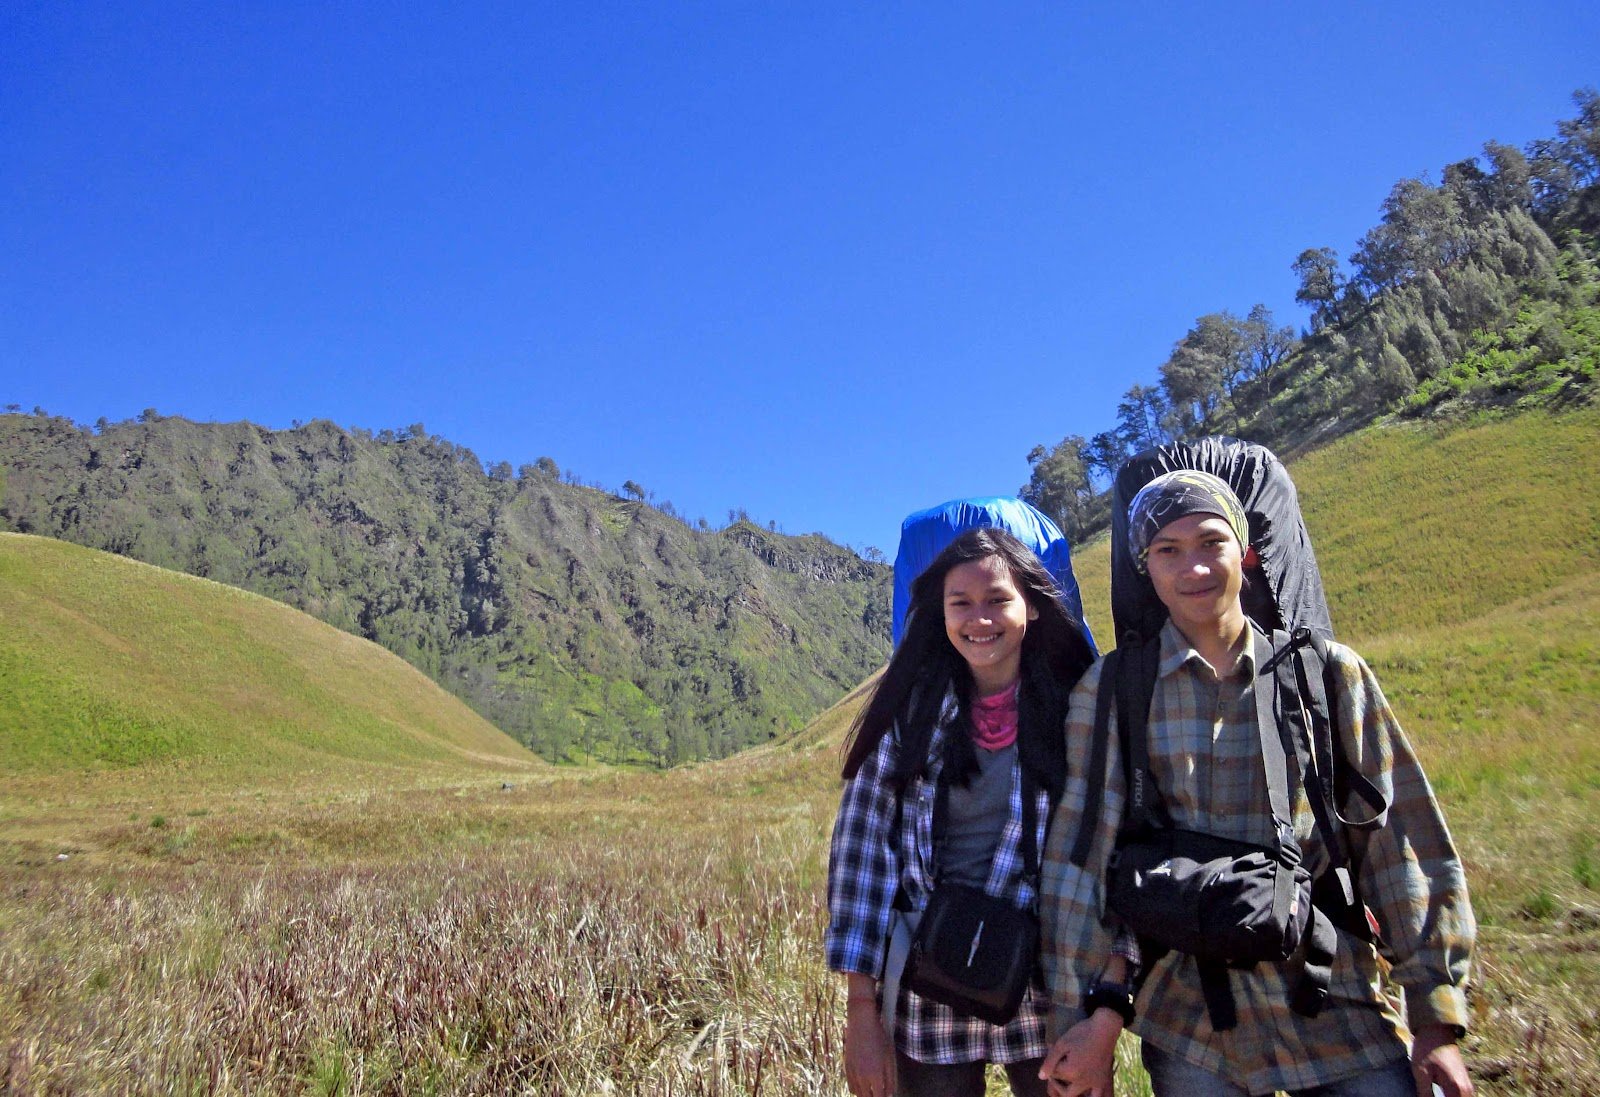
(1291, 596)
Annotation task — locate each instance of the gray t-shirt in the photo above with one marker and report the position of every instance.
(977, 819)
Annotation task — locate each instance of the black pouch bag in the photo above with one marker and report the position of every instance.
(972, 951)
(1212, 897)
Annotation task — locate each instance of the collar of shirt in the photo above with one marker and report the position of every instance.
(1176, 652)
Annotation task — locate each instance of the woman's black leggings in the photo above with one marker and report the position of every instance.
(914, 1079)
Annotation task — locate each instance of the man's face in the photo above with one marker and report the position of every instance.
(1197, 567)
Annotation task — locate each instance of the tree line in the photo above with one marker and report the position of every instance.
(1478, 290)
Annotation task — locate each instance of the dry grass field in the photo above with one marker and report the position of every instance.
(527, 929)
(573, 933)
(569, 934)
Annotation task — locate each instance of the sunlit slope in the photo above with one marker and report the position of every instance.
(107, 664)
(1419, 526)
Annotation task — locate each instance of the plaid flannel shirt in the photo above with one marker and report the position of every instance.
(866, 867)
(1205, 755)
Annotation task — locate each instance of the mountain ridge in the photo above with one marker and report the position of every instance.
(586, 624)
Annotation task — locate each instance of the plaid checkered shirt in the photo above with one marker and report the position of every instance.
(1205, 755)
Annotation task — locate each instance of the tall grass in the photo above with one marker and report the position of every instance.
(634, 949)
(1422, 526)
(628, 935)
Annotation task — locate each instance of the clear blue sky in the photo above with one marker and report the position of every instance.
(827, 262)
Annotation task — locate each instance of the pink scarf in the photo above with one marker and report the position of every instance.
(994, 719)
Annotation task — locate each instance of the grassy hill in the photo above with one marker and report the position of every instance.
(108, 665)
(586, 624)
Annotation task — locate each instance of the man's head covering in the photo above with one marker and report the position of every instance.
(1176, 495)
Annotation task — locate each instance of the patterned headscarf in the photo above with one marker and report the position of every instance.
(1175, 495)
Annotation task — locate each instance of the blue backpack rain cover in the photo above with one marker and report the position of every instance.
(924, 535)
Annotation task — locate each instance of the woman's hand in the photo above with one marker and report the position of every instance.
(868, 1052)
(1079, 1063)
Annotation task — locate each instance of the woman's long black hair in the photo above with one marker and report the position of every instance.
(925, 667)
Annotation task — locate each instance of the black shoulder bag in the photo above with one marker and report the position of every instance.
(972, 951)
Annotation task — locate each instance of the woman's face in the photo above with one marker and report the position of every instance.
(985, 618)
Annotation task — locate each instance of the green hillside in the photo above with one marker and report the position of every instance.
(1422, 525)
(107, 664)
(1478, 292)
(586, 624)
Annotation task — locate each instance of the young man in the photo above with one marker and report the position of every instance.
(1191, 534)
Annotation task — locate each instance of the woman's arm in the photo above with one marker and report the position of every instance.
(868, 1051)
(863, 867)
(863, 874)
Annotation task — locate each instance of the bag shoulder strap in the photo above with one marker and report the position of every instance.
(1344, 778)
(1306, 670)
(1030, 820)
(1307, 676)
(1030, 825)
(1128, 680)
(1307, 700)
(1275, 729)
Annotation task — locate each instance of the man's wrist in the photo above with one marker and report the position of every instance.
(1439, 1033)
(1116, 998)
(1437, 1006)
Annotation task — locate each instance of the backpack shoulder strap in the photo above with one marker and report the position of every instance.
(1128, 680)
(1314, 672)
(1302, 709)
(1136, 687)
(1095, 778)
(1337, 892)
(1277, 725)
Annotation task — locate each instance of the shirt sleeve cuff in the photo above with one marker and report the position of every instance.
(1444, 1005)
(855, 963)
(1062, 1017)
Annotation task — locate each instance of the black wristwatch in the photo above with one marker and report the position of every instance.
(1117, 997)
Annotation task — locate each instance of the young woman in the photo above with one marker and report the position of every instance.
(973, 699)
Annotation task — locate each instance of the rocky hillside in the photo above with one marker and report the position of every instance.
(585, 624)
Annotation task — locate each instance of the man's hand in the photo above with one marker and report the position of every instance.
(1079, 1063)
(1436, 1061)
